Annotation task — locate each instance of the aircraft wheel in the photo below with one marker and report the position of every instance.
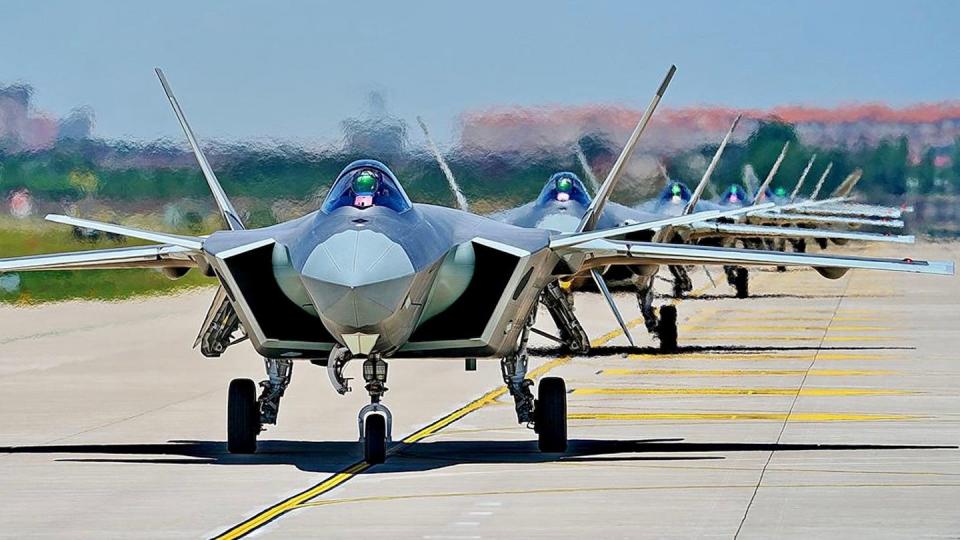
(243, 417)
(678, 290)
(551, 414)
(741, 283)
(667, 328)
(375, 439)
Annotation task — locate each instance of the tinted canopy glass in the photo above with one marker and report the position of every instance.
(564, 186)
(366, 183)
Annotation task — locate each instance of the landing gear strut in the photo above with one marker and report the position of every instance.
(560, 306)
(681, 281)
(375, 420)
(247, 413)
(645, 301)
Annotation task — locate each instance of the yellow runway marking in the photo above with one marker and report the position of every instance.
(622, 489)
(303, 498)
(746, 372)
(739, 357)
(771, 416)
(826, 311)
(783, 328)
(735, 392)
(824, 320)
(761, 338)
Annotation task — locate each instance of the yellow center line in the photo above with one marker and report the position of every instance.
(736, 392)
(784, 328)
(771, 416)
(748, 356)
(761, 338)
(804, 319)
(298, 501)
(745, 372)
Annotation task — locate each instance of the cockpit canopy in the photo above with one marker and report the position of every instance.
(734, 195)
(773, 195)
(563, 187)
(366, 183)
(676, 192)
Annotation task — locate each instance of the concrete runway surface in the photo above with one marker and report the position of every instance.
(816, 408)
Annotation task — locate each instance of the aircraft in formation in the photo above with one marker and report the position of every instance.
(371, 276)
(564, 199)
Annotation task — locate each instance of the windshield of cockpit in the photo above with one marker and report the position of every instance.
(563, 187)
(734, 195)
(365, 185)
(675, 193)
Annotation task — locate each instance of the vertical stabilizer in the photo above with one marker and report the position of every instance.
(589, 221)
(227, 210)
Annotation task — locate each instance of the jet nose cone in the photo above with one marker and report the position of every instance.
(358, 278)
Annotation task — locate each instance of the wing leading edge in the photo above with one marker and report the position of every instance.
(159, 256)
(603, 252)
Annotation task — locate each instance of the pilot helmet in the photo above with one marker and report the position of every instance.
(564, 188)
(364, 185)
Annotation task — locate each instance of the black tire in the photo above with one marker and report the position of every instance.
(551, 414)
(243, 417)
(741, 283)
(678, 290)
(667, 328)
(375, 439)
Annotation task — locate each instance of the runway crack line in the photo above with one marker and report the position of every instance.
(793, 404)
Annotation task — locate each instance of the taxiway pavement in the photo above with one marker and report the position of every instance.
(815, 408)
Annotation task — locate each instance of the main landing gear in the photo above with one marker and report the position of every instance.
(560, 306)
(247, 413)
(664, 327)
(547, 415)
(374, 421)
(739, 278)
(682, 284)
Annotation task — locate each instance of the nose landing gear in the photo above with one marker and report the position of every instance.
(375, 420)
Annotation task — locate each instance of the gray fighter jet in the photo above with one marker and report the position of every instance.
(564, 200)
(371, 276)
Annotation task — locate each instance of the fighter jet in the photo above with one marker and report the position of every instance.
(372, 276)
(564, 200)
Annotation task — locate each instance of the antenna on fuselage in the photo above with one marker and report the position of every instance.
(773, 172)
(454, 187)
(587, 170)
(589, 220)
(803, 176)
(227, 210)
(698, 193)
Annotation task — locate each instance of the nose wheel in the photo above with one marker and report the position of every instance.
(375, 427)
(375, 420)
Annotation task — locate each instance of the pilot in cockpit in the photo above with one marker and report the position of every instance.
(364, 185)
(564, 188)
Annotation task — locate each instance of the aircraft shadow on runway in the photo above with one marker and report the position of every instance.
(334, 456)
(612, 350)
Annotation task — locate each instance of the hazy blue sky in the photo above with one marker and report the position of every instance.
(296, 69)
